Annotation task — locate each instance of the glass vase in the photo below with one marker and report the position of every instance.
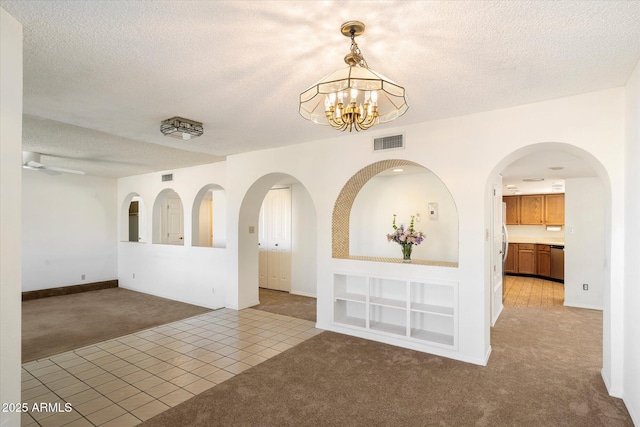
(406, 252)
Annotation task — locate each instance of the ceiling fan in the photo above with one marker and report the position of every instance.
(31, 160)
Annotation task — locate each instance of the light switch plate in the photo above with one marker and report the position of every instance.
(433, 211)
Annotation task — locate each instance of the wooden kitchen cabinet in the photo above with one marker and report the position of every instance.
(535, 209)
(527, 258)
(530, 259)
(554, 209)
(513, 209)
(532, 209)
(543, 260)
(511, 263)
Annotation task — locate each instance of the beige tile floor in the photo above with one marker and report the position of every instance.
(127, 380)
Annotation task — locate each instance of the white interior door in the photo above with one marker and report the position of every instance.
(496, 237)
(274, 239)
(174, 224)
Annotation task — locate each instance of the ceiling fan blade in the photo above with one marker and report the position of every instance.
(48, 171)
(32, 161)
(55, 169)
(35, 164)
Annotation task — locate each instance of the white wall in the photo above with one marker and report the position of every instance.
(631, 392)
(10, 210)
(463, 152)
(304, 242)
(467, 153)
(68, 229)
(584, 254)
(196, 275)
(405, 195)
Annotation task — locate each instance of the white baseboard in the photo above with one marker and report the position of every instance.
(635, 417)
(588, 306)
(607, 383)
(171, 297)
(243, 306)
(303, 294)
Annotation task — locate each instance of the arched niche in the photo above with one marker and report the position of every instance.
(168, 218)
(363, 214)
(133, 219)
(209, 217)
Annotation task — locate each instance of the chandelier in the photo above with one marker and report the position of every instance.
(177, 127)
(355, 97)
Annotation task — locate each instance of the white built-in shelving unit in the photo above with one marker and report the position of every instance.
(412, 310)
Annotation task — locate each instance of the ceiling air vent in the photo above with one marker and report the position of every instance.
(394, 142)
(167, 177)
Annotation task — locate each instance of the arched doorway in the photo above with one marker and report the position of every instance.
(587, 226)
(303, 238)
(133, 219)
(209, 222)
(168, 218)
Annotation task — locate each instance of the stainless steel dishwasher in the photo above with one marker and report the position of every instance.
(557, 262)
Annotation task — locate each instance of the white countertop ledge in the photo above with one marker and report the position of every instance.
(537, 240)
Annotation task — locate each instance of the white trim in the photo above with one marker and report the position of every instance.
(171, 297)
(303, 294)
(587, 306)
(615, 392)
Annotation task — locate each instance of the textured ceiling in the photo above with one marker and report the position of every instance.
(99, 76)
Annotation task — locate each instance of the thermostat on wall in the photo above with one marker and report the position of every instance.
(433, 211)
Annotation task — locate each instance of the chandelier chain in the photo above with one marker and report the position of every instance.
(356, 52)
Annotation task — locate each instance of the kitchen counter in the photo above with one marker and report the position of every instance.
(537, 240)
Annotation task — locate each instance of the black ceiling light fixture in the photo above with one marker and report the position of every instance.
(180, 128)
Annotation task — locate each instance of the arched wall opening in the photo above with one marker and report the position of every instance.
(303, 244)
(209, 217)
(586, 198)
(168, 218)
(133, 219)
(364, 211)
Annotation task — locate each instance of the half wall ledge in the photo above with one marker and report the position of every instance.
(400, 261)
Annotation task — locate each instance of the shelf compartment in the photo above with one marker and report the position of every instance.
(432, 294)
(433, 309)
(388, 302)
(389, 319)
(353, 288)
(350, 313)
(351, 321)
(432, 336)
(389, 328)
(432, 327)
(388, 291)
(347, 296)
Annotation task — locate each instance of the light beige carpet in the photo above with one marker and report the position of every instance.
(287, 304)
(57, 324)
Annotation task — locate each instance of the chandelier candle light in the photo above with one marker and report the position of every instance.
(405, 238)
(355, 97)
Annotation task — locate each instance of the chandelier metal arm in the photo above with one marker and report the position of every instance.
(352, 117)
